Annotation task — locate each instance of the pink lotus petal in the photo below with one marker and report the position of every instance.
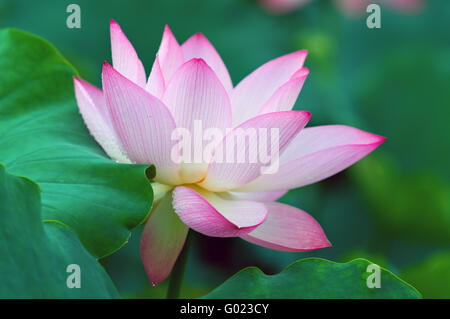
(155, 84)
(91, 104)
(170, 54)
(162, 240)
(288, 228)
(315, 154)
(198, 46)
(250, 95)
(258, 196)
(285, 97)
(226, 175)
(211, 215)
(195, 93)
(142, 122)
(196, 97)
(125, 59)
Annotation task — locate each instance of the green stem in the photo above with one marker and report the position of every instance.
(177, 274)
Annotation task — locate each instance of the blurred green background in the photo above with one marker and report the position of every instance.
(393, 207)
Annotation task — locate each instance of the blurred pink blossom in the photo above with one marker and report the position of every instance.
(351, 7)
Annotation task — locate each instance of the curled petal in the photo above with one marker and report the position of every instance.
(315, 154)
(288, 228)
(228, 173)
(212, 215)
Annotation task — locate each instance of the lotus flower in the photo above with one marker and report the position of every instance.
(133, 119)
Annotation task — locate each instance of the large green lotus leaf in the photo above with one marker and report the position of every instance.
(43, 137)
(314, 278)
(432, 276)
(34, 255)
